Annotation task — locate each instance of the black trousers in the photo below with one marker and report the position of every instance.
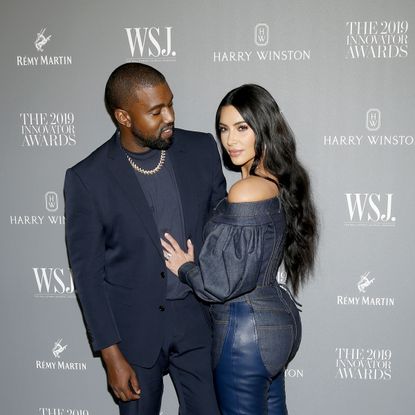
(186, 356)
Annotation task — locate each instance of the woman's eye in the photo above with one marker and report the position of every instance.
(155, 113)
(243, 127)
(222, 129)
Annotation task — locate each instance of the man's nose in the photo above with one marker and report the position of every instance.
(168, 115)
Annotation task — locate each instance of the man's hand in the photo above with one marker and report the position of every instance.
(121, 376)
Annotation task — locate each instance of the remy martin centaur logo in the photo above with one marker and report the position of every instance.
(58, 348)
(366, 294)
(42, 39)
(57, 363)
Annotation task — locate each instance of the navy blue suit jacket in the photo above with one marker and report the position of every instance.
(113, 242)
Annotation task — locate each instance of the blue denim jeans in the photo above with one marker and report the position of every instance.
(254, 339)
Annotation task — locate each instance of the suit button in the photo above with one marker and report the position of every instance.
(161, 307)
(163, 274)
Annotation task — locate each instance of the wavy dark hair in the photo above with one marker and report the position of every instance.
(275, 147)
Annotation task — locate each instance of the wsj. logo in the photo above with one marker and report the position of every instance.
(151, 43)
(364, 282)
(370, 209)
(41, 40)
(58, 349)
(51, 201)
(53, 283)
(373, 119)
(261, 34)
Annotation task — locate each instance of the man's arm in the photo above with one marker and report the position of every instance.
(121, 376)
(86, 250)
(85, 242)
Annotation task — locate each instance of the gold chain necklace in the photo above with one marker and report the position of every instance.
(148, 172)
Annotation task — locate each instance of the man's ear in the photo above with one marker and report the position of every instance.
(123, 117)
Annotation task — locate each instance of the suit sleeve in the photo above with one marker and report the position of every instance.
(218, 179)
(86, 251)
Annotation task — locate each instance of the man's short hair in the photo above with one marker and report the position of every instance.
(125, 80)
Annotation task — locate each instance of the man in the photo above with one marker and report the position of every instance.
(148, 179)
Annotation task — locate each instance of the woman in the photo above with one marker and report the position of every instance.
(268, 218)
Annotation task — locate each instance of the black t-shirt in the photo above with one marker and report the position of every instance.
(163, 197)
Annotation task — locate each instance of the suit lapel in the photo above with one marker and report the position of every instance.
(126, 179)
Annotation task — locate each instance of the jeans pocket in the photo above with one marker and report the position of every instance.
(275, 346)
(220, 320)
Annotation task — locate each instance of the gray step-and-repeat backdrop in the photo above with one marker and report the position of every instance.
(343, 74)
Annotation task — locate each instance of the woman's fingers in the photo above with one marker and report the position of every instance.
(172, 242)
(166, 246)
(190, 249)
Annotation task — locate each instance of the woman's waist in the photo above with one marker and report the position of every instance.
(270, 305)
(271, 297)
(260, 292)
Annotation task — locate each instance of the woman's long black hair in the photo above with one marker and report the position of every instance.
(275, 147)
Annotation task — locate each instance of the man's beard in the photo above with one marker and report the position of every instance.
(155, 143)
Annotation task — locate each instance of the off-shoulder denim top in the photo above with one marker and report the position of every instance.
(242, 250)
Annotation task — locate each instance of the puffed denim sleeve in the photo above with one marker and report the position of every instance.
(229, 263)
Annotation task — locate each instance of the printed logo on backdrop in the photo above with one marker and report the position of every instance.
(47, 129)
(281, 275)
(46, 217)
(58, 348)
(53, 282)
(262, 38)
(41, 43)
(373, 123)
(366, 294)
(57, 362)
(41, 40)
(384, 39)
(364, 282)
(364, 364)
(150, 43)
(51, 201)
(261, 34)
(373, 119)
(370, 209)
(62, 411)
(294, 373)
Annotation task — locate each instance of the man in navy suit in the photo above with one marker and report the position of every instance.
(148, 179)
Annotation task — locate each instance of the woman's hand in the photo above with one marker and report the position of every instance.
(174, 255)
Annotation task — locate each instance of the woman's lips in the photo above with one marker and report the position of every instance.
(235, 153)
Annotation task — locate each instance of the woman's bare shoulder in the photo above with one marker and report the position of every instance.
(252, 189)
